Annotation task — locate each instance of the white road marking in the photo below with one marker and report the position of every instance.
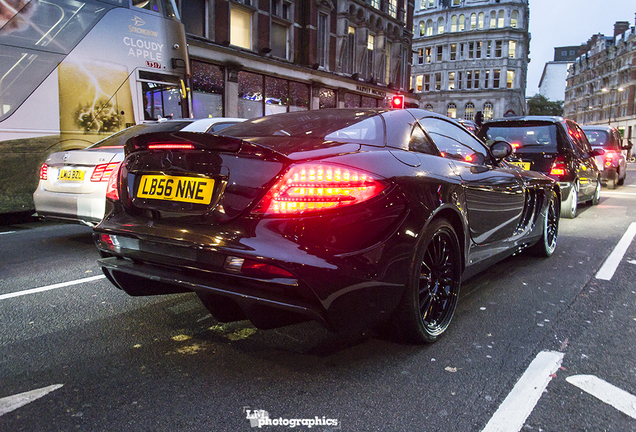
(7, 232)
(611, 263)
(608, 393)
(14, 402)
(520, 402)
(50, 287)
(619, 193)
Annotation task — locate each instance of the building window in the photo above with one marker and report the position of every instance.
(510, 79)
(456, 2)
(250, 96)
(514, 19)
(241, 28)
(478, 49)
(280, 41)
(370, 54)
(428, 51)
(493, 19)
(469, 80)
(451, 80)
(440, 25)
(438, 81)
(392, 5)
(498, 48)
(350, 51)
(207, 90)
(488, 48)
(469, 111)
(323, 39)
(420, 56)
(427, 83)
(429, 28)
(460, 80)
(462, 23)
(440, 52)
(281, 9)
(496, 75)
(419, 82)
(276, 95)
(486, 78)
(193, 17)
(422, 28)
(512, 49)
(298, 96)
(453, 51)
(327, 98)
(428, 107)
(451, 110)
(488, 111)
(500, 19)
(473, 21)
(476, 79)
(453, 23)
(480, 21)
(387, 62)
(352, 100)
(471, 50)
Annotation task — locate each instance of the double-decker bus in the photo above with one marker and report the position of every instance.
(73, 72)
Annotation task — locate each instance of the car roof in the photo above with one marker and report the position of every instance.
(529, 118)
(597, 128)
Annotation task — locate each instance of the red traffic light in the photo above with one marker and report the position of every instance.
(397, 101)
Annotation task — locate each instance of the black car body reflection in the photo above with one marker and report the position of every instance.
(348, 217)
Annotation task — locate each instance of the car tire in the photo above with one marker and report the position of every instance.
(621, 180)
(569, 206)
(546, 246)
(430, 297)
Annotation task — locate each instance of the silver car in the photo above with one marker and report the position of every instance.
(73, 183)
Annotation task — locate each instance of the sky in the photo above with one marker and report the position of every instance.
(556, 23)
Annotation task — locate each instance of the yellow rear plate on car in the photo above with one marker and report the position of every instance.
(71, 174)
(524, 165)
(174, 188)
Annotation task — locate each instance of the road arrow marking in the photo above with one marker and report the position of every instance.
(518, 405)
(14, 402)
(608, 393)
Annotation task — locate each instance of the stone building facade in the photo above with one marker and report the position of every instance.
(250, 58)
(471, 56)
(601, 83)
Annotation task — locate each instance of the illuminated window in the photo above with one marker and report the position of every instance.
(392, 4)
(493, 19)
(488, 111)
(428, 52)
(456, 2)
(514, 19)
(438, 81)
(462, 23)
(473, 21)
(350, 51)
(500, 19)
(451, 110)
(420, 56)
(510, 79)
(422, 28)
(370, 54)
(451, 80)
(512, 49)
(428, 107)
(387, 63)
(419, 82)
(480, 20)
(440, 25)
(453, 24)
(429, 28)
(241, 28)
(453, 51)
(469, 111)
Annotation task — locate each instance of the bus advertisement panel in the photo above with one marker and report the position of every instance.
(74, 72)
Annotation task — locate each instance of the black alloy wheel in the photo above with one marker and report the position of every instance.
(546, 246)
(430, 300)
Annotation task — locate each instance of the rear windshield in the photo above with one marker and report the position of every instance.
(597, 138)
(525, 138)
(343, 125)
(119, 139)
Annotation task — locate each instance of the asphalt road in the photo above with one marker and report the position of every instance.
(96, 359)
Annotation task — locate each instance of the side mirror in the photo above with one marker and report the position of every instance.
(500, 150)
(597, 152)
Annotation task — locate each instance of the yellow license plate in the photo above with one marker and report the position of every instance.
(524, 165)
(71, 174)
(174, 188)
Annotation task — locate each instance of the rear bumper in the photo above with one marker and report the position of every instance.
(609, 173)
(70, 207)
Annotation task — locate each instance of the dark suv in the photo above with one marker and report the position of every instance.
(613, 163)
(554, 146)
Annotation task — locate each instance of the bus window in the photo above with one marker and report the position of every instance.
(161, 100)
(170, 9)
(146, 4)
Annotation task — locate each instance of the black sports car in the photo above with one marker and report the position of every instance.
(349, 217)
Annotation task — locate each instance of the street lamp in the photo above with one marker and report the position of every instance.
(610, 90)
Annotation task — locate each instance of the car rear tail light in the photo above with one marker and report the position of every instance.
(609, 157)
(308, 188)
(515, 145)
(103, 172)
(44, 172)
(112, 189)
(558, 167)
(170, 146)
